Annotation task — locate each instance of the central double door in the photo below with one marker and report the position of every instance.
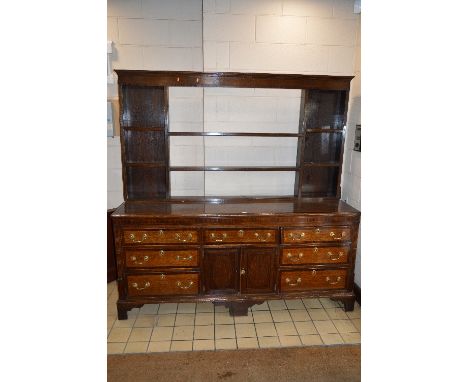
(248, 270)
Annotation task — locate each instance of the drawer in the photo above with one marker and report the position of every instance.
(240, 236)
(313, 279)
(149, 258)
(304, 235)
(162, 236)
(314, 255)
(163, 284)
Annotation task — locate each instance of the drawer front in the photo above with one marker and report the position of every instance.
(313, 279)
(305, 235)
(240, 236)
(161, 258)
(163, 284)
(314, 255)
(161, 236)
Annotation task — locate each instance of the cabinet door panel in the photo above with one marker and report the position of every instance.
(221, 271)
(258, 270)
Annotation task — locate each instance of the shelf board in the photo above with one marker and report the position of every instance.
(229, 134)
(142, 128)
(325, 131)
(321, 164)
(233, 168)
(146, 164)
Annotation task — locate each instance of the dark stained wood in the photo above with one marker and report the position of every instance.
(314, 255)
(323, 147)
(307, 235)
(258, 270)
(313, 279)
(151, 258)
(160, 236)
(221, 271)
(240, 236)
(145, 182)
(232, 79)
(111, 260)
(320, 181)
(163, 284)
(144, 146)
(141, 106)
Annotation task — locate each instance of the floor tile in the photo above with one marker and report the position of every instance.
(262, 316)
(203, 345)
(149, 309)
(356, 313)
(116, 347)
(226, 344)
(186, 308)
(158, 347)
(269, 342)
(110, 321)
(263, 306)
(325, 327)
(128, 323)
(331, 339)
(204, 319)
(311, 339)
(245, 330)
(265, 329)
(162, 333)
(225, 331)
(205, 307)
(294, 304)
(221, 309)
(181, 345)
(223, 318)
(344, 326)
(305, 327)
(204, 332)
(351, 338)
(328, 303)
(136, 347)
(318, 314)
(285, 329)
(336, 314)
(300, 315)
(281, 316)
(357, 324)
(140, 334)
(165, 320)
(119, 334)
(277, 305)
(184, 319)
(147, 321)
(183, 333)
(247, 343)
(312, 303)
(244, 319)
(167, 308)
(133, 313)
(286, 341)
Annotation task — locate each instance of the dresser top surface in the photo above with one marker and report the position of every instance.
(235, 207)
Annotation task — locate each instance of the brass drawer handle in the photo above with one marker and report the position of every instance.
(188, 238)
(181, 258)
(263, 238)
(144, 259)
(295, 258)
(338, 279)
(288, 281)
(161, 253)
(147, 285)
(223, 236)
(296, 236)
(334, 256)
(343, 234)
(189, 285)
(242, 272)
(240, 233)
(133, 238)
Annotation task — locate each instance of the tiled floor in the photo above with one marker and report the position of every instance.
(181, 327)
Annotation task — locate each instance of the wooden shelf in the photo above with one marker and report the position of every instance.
(142, 128)
(229, 134)
(232, 168)
(146, 164)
